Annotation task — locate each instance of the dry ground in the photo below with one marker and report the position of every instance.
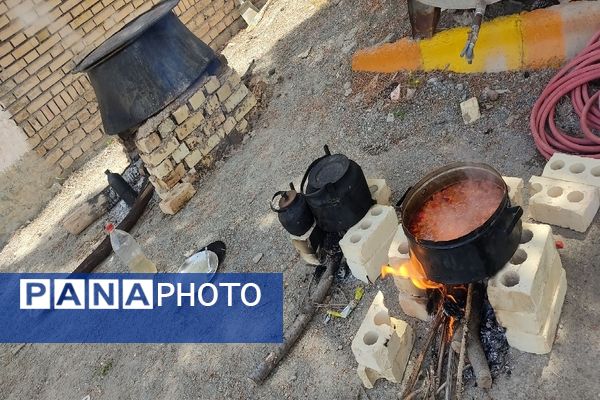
(307, 109)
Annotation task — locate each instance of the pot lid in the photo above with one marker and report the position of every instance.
(126, 35)
(329, 170)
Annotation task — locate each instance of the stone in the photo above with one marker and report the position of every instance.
(224, 92)
(177, 198)
(162, 152)
(470, 110)
(389, 118)
(212, 85)
(374, 230)
(180, 153)
(572, 168)
(248, 11)
(181, 114)
(515, 190)
(193, 158)
(410, 93)
(396, 93)
(244, 108)
(162, 170)
(380, 338)
(567, 204)
(257, 258)
(380, 191)
(166, 127)
(197, 100)
(236, 98)
(518, 286)
(148, 143)
(212, 104)
(305, 53)
(189, 126)
(175, 176)
(541, 343)
(242, 126)
(229, 125)
(490, 94)
(415, 307)
(211, 143)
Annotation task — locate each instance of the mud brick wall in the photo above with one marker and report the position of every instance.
(188, 136)
(40, 42)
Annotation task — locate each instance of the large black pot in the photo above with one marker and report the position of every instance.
(143, 67)
(336, 191)
(479, 254)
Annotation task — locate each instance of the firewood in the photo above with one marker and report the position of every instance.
(84, 215)
(463, 342)
(475, 352)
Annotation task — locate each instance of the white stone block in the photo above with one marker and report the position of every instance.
(542, 342)
(532, 322)
(515, 190)
(361, 241)
(518, 286)
(368, 271)
(369, 376)
(572, 168)
(380, 338)
(380, 191)
(470, 110)
(399, 247)
(562, 203)
(415, 307)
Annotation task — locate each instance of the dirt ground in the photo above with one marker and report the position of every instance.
(309, 104)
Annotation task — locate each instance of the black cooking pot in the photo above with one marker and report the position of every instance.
(293, 211)
(143, 67)
(336, 191)
(479, 254)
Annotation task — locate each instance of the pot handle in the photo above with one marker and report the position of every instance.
(517, 213)
(311, 166)
(399, 203)
(280, 193)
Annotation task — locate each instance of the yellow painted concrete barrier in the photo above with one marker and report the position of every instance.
(538, 39)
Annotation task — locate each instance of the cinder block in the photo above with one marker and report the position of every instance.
(567, 204)
(518, 286)
(363, 240)
(414, 306)
(532, 322)
(177, 198)
(380, 338)
(380, 191)
(399, 247)
(542, 342)
(398, 253)
(515, 190)
(572, 168)
(368, 271)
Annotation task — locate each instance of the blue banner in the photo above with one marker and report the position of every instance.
(141, 308)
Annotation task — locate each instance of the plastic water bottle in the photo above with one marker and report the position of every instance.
(129, 251)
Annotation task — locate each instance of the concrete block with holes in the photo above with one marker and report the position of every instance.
(414, 306)
(519, 285)
(382, 345)
(533, 322)
(541, 342)
(567, 204)
(380, 191)
(572, 168)
(515, 190)
(398, 253)
(368, 271)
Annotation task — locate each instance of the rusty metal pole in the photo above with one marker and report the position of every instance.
(423, 19)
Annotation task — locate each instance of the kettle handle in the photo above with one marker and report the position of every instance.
(517, 213)
(311, 166)
(280, 193)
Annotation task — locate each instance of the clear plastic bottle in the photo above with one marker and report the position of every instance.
(129, 251)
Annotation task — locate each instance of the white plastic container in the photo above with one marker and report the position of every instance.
(129, 251)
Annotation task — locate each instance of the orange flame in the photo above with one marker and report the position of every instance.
(411, 269)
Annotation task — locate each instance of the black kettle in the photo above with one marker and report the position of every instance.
(336, 191)
(293, 213)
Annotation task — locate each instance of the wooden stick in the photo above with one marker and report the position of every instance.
(477, 357)
(412, 380)
(449, 367)
(441, 353)
(293, 333)
(463, 342)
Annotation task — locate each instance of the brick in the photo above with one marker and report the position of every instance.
(61, 133)
(66, 161)
(364, 239)
(244, 108)
(54, 156)
(41, 150)
(197, 100)
(242, 126)
(193, 158)
(519, 284)
(181, 114)
(175, 176)
(148, 143)
(162, 152)
(177, 198)
(383, 343)
(229, 125)
(566, 204)
(162, 170)
(34, 141)
(72, 124)
(236, 98)
(91, 124)
(211, 143)
(212, 104)
(181, 152)
(166, 127)
(67, 144)
(79, 134)
(541, 343)
(189, 125)
(234, 79)
(224, 92)
(212, 85)
(470, 110)
(572, 168)
(50, 143)
(515, 190)
(86, 144)
(380, 191)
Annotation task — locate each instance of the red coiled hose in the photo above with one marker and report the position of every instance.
(572, 80)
